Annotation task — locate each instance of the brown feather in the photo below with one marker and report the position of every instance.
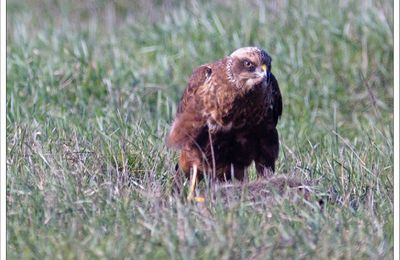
(189, 121)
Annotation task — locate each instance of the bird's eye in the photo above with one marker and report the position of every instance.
(249, 65)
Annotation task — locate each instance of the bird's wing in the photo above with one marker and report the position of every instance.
(276, 99)
(189, 121)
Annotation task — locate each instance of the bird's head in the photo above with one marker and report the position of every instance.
(247, 67)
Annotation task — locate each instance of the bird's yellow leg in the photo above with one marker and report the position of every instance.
(193, 183)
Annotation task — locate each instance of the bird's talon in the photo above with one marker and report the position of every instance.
(199, 199)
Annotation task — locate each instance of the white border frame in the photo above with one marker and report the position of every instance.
(396, 84)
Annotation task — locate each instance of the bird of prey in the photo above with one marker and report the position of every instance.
(227, 118)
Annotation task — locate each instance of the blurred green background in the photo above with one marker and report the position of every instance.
(93, 85)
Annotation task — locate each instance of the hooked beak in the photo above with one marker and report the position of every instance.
(263, 72)
(264, 68)
(266, 74)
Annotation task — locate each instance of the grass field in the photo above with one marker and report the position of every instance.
(92, 88)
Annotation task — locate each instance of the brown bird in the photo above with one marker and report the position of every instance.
(227, 118)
